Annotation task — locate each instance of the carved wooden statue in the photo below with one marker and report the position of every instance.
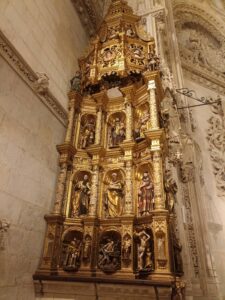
(145, 195)
(117, 132)
(81, 199)
(114, 197)
(72, 259)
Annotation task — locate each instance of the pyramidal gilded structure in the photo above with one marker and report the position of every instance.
(113, 215)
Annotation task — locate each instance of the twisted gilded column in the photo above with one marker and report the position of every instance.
(153, 105)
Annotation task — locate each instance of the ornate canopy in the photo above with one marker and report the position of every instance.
(120, 51)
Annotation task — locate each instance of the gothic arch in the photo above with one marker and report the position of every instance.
(201, 44)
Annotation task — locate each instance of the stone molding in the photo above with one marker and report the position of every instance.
(216, 141)
(205, 72)
(29, 76)
(90, 13)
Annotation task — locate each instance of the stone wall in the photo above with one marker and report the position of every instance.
(212, 201)
(49, 36)
(29, 133)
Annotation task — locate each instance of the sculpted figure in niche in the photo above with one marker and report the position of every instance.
(142, 123)
(153, 62)
(109, 256)
(144, 255)
(126, 249)
(177, 248)
(87, 248)
(117, 132)
(161, 247)
(87, 136)
(195, 45)
(171, 190)
(72, 259)
(145, 195)
(75, 82)
(81, 199)
(114, 196)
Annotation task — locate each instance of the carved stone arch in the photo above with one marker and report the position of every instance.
(201, 39)
(184, 12)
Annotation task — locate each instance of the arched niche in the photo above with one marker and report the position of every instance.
(116, 124)
(141, 122)
(87, 131)
(109, 251)
(80, 192)
(113, 197)
(144, 189)
(70, 258)
(144, 249)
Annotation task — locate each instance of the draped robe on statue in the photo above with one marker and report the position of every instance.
(114, 198)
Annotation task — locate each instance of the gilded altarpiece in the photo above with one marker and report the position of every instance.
(112, 217)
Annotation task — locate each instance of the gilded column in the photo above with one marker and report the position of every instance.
(61, 183)
(67, 153)
(98, 127)
(129, 190)
(158, 184)
(128, 120)
(69, 132)
(74, 103)
(94, 191)
(153, 105)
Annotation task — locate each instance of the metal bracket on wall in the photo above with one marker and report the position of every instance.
(192, 94)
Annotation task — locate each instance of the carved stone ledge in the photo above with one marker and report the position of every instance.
(15, 60)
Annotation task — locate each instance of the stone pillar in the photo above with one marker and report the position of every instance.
(128, 120)
(94, 191)
(153, 105)
(129, 191)
(98, 127)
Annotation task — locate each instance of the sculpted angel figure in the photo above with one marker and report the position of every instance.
(114, 197)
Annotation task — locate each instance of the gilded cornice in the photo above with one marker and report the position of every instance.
(16, 61)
